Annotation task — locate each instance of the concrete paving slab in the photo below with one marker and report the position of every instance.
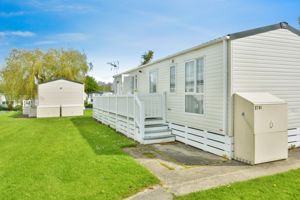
(156, 193)
(183, 169)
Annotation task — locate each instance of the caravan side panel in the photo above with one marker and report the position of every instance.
(269, 62)
(212, 120)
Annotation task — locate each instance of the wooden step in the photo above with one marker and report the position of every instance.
(156, 127)
(158, 134)
(170, 138)
(154, 121)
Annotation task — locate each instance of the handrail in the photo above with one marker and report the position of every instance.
(137, 106)
(140, 121)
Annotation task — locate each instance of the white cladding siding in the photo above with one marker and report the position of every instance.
(269, 62)
(60, 92)
(212, 120)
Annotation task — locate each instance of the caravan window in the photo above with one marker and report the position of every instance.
(153, 76)
(194, 86)
(189, 76)
(135, 83)
(172, 79)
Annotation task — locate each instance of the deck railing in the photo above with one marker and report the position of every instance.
(134, 107)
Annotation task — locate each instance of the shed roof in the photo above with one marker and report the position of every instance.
(61, 79)
(232, 36)
(260, 97)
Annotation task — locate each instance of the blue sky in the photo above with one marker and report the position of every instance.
(123, 30)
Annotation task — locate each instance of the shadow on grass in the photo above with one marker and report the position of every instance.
(101, 138)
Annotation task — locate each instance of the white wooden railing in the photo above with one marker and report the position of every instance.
(155, 105)
(134, 107)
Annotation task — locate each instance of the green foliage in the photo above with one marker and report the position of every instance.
(91, 85)
(66, 158)
(147, 57)
(88, 105)
(22, 67)
(280, 186)
(105, 88)
(16, 108)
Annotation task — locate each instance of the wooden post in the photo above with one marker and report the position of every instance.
(116, 119)
(142, 121)
(163, 103)
(134, 118)
(127, 115)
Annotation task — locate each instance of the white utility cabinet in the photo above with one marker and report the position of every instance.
(260, 128)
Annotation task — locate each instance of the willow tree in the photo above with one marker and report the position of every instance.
(23, 69)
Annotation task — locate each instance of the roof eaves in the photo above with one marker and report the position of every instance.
(281, 25)
(61, 79)
(233, 36)
(211, 42)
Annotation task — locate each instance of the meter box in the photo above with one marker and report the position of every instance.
(260, 128)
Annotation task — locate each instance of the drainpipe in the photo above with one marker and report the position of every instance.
(225, 84)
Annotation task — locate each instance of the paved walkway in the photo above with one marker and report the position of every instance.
(183, 169)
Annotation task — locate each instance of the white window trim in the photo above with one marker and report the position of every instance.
(175, 90)
(135, 79)
(195, 86)
(154, 70)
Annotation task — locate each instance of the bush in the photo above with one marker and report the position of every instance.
(3, 108)
(16, 108)
(88, 105)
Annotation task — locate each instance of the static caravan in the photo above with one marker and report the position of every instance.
(2, 100)
(60, 98)
(189, 96)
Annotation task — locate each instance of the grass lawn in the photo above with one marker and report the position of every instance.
(278, 187)
(66, 158)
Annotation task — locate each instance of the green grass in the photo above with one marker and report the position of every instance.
(66, 158)
(280, 187)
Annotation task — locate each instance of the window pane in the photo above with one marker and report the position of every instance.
(194, 104)
(131, 84)
(199, 76)
(136, 82)
(172, 79)
(153, 81)
(189, 76)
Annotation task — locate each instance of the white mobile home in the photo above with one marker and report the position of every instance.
(188, 96)
(60, 98)
(2, 100)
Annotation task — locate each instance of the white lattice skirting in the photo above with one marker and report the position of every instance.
(120, 123)
(221, 145)
(294, 138)
(217, 144)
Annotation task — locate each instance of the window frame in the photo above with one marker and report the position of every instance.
(149, 82)
(175, 78)
(135, 83)
(203, 94)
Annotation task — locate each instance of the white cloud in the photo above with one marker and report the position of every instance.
(45, 42)
(17, 33)
(11, 14)
(61, 38)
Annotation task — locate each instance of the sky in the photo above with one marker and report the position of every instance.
(116, 30)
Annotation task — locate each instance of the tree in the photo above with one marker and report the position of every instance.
(24, 68)
(91, 85)
(147, 57)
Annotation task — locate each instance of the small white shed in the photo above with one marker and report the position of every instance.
(60, 98)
